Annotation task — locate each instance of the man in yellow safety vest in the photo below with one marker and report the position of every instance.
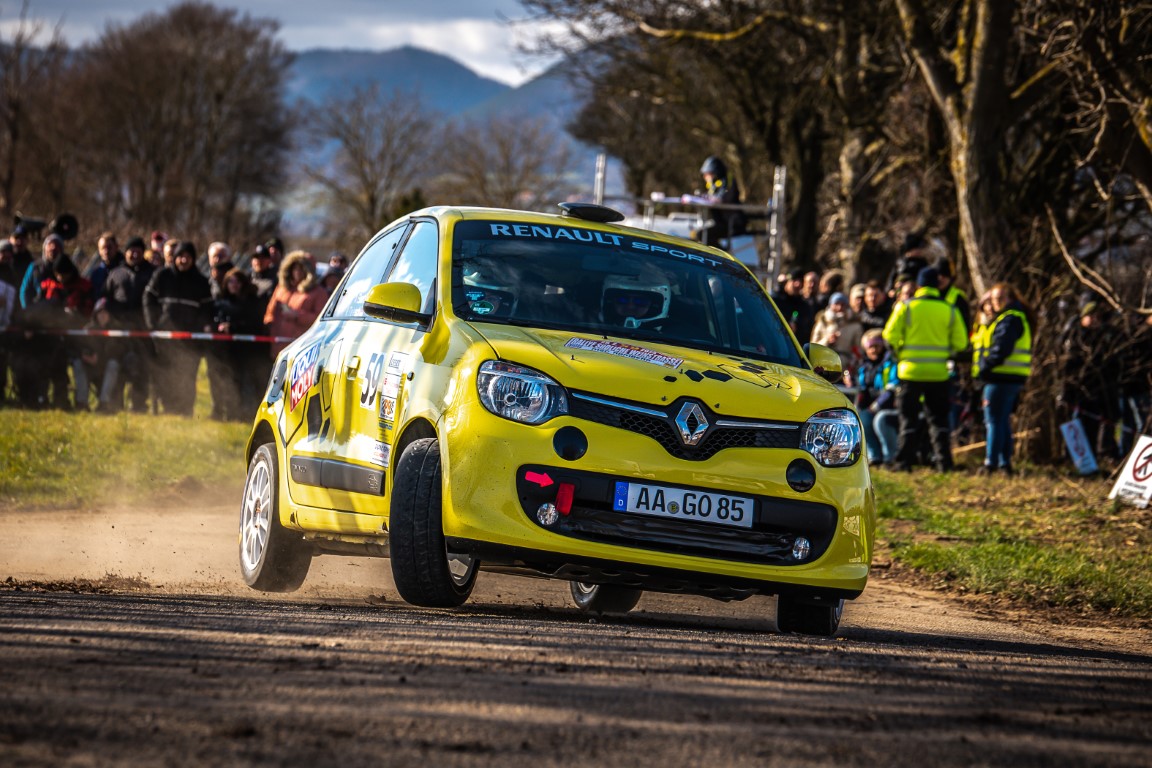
(924, 332)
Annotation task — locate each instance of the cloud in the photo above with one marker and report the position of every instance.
(475, 32)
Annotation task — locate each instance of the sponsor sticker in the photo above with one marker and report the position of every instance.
(380, 454)
(390, 382)
(625, 350)
(303, 375)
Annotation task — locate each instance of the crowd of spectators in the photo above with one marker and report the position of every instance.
(1103, 375)
(162, 284)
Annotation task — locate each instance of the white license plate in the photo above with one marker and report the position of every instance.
(681, 504)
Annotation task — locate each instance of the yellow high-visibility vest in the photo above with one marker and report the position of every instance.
(924, 332)
(1019, 363)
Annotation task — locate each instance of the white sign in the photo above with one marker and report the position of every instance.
(1135, 481)
(1078, 447)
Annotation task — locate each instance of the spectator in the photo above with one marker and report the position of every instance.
(1005, 367)
(264, 275)
(913, 258)
(856, 298)
(178, 298)
(236, 392)
(719, 189)
(9, 303)
(831, 282)
(949, 290)
(797, 312)
(169, 251)
(876, 384)
(31, 286)
(157, 240)
(64, 301)
(297, 301)
(876, 307)
(338, 260)
(21, 256)
(275, 251)
(838, 328)
(110, 258)
(219, 263)
(9, 273)
(98, 361)
(331, 279)
(124, 293)
(924, 332)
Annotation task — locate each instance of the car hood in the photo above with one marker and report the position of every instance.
(650, 372)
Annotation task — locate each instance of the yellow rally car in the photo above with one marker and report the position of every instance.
(560, 396)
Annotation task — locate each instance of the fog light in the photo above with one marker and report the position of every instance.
(547, 514)
(800, 548)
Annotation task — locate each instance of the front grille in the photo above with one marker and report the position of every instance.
(627, 415)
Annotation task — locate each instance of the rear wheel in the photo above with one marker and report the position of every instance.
(808, 618)
(604, 598)
(272, 557)
(424, 571)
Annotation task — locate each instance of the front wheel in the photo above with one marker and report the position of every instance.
(425, 572)
(808, 618)
(604, 598)
(272, 557)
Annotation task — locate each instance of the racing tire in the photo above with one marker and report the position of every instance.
(801, 618)
(425, 573)
(272, 557)
(604, 598)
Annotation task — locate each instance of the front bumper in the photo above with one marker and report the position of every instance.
(488, 509)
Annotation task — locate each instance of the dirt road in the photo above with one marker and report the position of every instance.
(128, 639)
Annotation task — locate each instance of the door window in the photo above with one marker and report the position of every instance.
(417, 262)
(368, 270)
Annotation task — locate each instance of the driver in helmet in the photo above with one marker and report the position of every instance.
(632, 301)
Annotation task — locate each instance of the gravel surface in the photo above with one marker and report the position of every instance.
(128, 639)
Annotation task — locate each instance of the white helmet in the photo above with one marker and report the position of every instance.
(632, 300)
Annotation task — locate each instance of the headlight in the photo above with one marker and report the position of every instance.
(519, 393)
(833, 437)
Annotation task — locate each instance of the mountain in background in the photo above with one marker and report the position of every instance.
(442, 83)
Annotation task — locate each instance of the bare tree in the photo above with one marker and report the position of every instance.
(184, 120)
(28, 78)
(376, 149)
(505, 161)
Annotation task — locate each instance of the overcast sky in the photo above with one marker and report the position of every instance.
(475, 32)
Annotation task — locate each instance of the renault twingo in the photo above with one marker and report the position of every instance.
(560, 396)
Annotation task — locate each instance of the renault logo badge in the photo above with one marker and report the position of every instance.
(692, 423)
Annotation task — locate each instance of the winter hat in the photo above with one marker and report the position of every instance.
(134, 242)
(929, 277)
(858, 291)
(838, 298)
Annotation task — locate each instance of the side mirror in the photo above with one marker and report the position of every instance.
(398, 302)
(825, 362)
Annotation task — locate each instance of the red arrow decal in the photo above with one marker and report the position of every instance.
(540, 478)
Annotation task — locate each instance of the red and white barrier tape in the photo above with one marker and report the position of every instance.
(184, 335)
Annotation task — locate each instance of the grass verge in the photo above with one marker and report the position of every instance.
(80, 460)
(1040, 540)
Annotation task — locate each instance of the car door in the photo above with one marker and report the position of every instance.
(317, 474)
(377, 362)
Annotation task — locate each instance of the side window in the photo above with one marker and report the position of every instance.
(367, 271)
(417, 262)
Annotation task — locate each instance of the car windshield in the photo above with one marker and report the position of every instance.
(573, 279)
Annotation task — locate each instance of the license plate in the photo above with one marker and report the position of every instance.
(681, 504)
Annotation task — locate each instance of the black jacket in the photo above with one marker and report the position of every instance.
(124, 291)
(178, 301)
